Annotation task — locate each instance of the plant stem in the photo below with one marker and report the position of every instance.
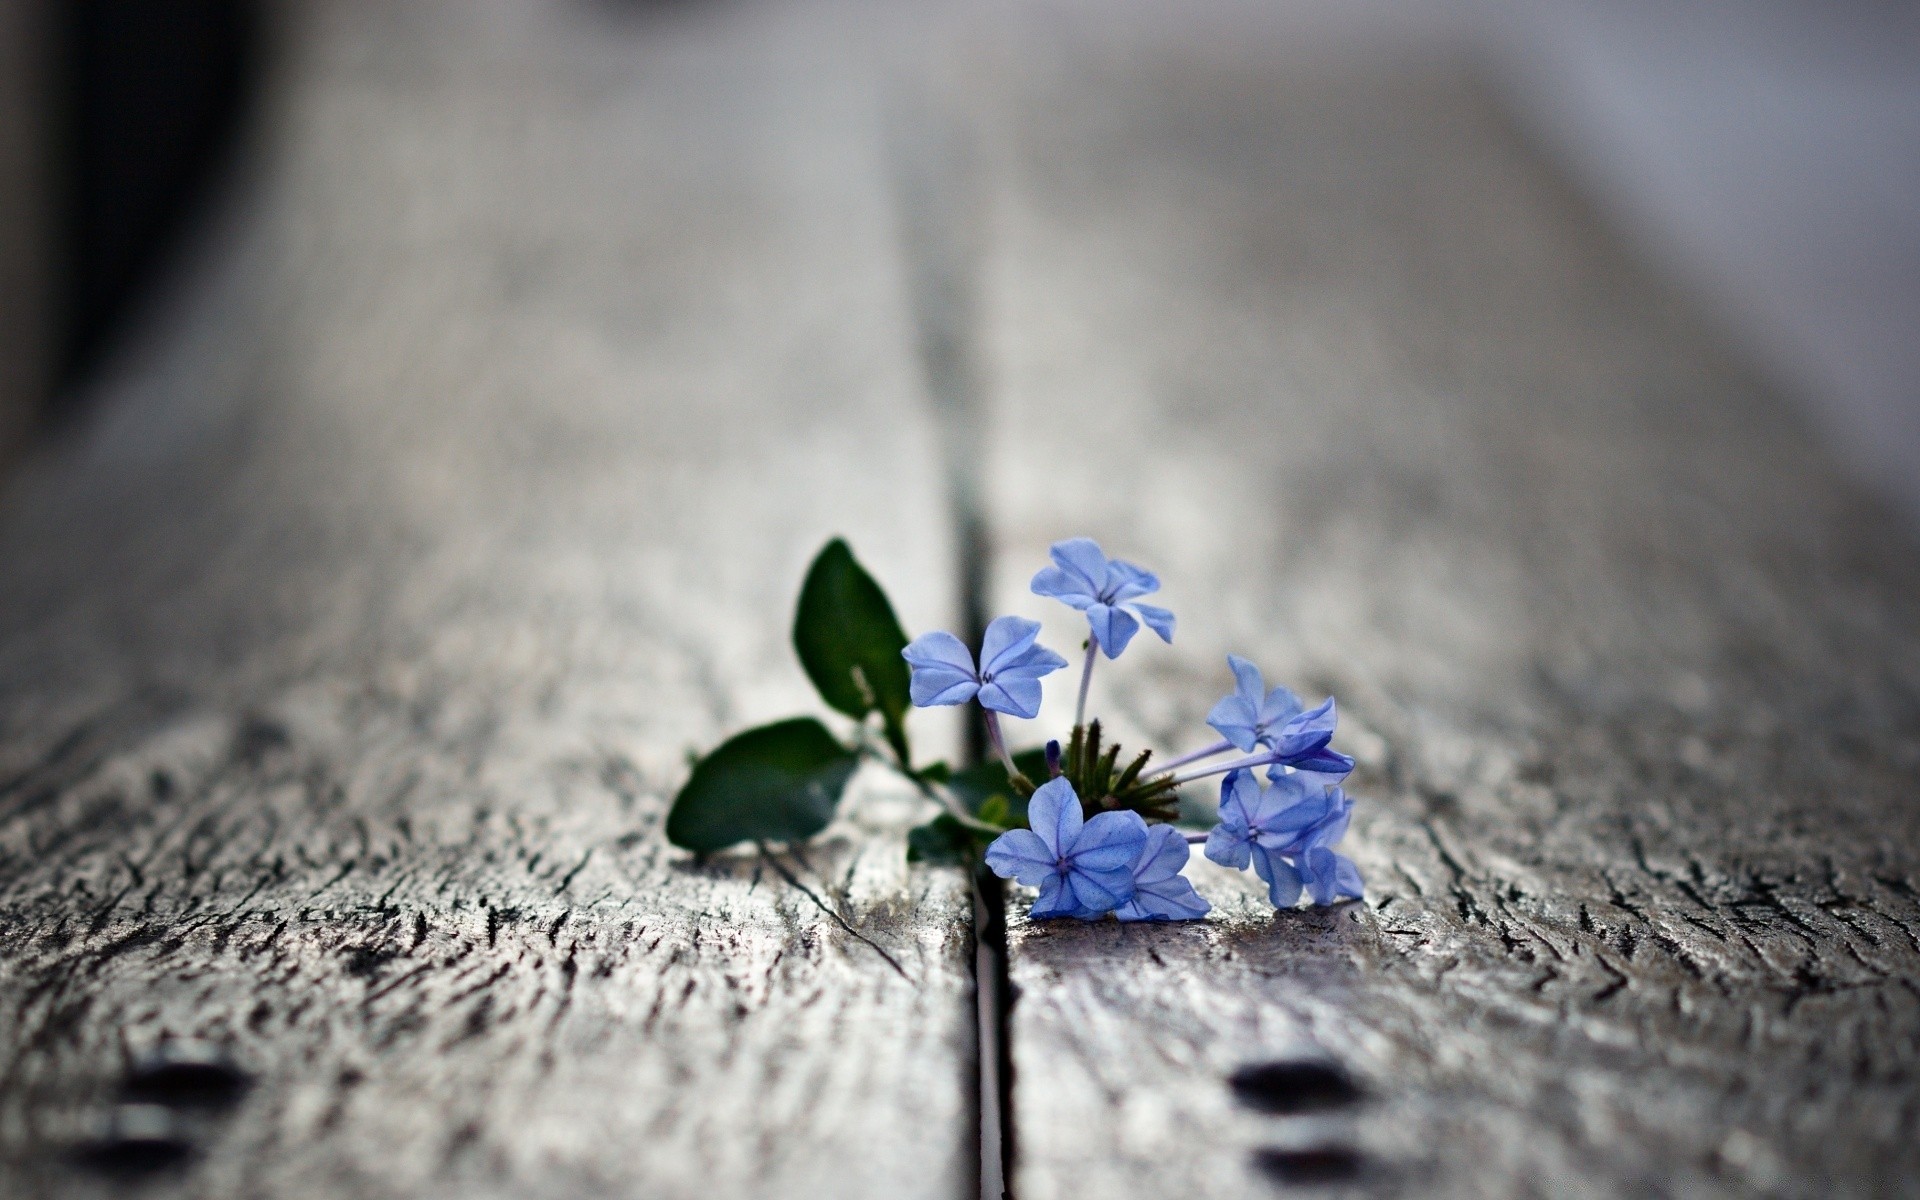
(1219, 747)
(999, 743)
(1086, 677)
(1252, 760)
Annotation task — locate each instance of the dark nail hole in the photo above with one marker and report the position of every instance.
(140, 1139)
(1296, 1086)
(186, 1077)
(1314, 1164)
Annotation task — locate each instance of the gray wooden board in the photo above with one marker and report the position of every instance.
(1633, 675)
(350, 650)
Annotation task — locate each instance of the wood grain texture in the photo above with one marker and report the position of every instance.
(1632, 673)
(350, 652)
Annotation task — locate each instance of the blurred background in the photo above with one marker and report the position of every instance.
(1764, 157)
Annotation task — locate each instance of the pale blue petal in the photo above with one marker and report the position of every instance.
(942, 670)
(1248, 683)
(1110, 841)
(1239, 798)
(1081, 559)
(1054, 814)
(1229, 847)
(1168, 900)
(933, 687)
(1055, 900)
(1279, 707)
(1019, 854)
(1324, 761)
(1035, 661)
(1233, 720)
(1346, 878)
(1288, 807)
(1126, 580)
(1157, 619)
(1332, 827)
(1005, 640)
(1320, 869)
(1306, 733)
(1113, 627)
(939, 650)
(1101, 891)
(1162, 856)
(1064, 586)
(1283, 881)
(1015, 695)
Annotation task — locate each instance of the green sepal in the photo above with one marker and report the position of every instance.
(775, 783)
(849, 641)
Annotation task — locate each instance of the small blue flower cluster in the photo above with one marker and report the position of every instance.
(1114, 861)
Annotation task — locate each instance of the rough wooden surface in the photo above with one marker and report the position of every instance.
(349, 653)
(1633, 676)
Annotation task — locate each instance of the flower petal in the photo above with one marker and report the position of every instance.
(1347, 882)
(1324, 761)
(1126, 580)
(1035, 661)
(1305, 733)
(1101, 891)
(1005, 640)
(1081, 559)
(1162, 856)
(1113, 627)
(942, 670)
(1056, 899)
(1229, 847)
(1280, 706)
(1283, 881)
(1157, 619)
(939, 649)
(1015, 695)
(1064, 586)
(1247, 682)
(1054, 814)
(1329, 877)
(1111, 841)
(1169, 900)
(1020, 855)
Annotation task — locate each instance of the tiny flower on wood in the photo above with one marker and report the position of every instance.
(1276, 720)
(1083, 868)
(1286, 830)
(1007, 679)
(1103, 588)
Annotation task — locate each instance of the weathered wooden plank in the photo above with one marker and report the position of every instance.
(1632, 673)
(349, 655)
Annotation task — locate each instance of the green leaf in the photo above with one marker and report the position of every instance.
(943, 842)
(849, 641)
(777, 783)
(985, 781)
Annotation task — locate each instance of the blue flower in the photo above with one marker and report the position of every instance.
(1008, 679)
(1286, 830)
(1082, 868)
(1084, 578)
(1276, 720)
(1160, 892)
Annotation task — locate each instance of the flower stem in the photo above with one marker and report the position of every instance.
(1219, 747)
(999, 743)
(1252, 760)
(1086, 677)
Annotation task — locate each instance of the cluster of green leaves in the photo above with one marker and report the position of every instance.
(783, 782)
